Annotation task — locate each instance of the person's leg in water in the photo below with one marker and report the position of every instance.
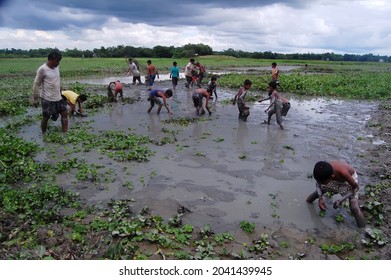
(312, 197)
(44, 124)
(188, 81)
(159, 108)
(270, 113)
(121, 94)
(245, 113)
(64, 121)
(199, 79)
(357, 214)
(151, 104)
(278, 114)
(285, 109)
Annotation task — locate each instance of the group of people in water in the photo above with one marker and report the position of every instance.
(335, 177)
(194, 74)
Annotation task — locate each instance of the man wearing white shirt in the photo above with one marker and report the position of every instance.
(48, 79)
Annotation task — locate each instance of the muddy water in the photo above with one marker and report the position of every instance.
(223, 170)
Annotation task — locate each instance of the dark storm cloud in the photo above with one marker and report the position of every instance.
(53, 14)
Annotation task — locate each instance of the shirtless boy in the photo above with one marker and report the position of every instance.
(337, 177)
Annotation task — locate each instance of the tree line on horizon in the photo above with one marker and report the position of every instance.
(189, 50)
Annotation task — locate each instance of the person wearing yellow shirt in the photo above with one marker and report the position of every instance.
(74, 99)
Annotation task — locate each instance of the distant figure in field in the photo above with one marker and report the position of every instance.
(201, 73)
(114, 89)
(134, 70)
(174, 74)
(48, 79)
(337, 177)
(198, 96)
(189, 69)
(152, 73)
(160, 97)
(240, 98)
(275, 73)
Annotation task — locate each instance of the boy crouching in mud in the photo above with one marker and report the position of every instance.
(155, 96)
(198, 95)
(337, 177)
(113, 89)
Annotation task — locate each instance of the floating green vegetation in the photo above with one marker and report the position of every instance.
(247, 226)
(284, 244)
(288, 147)
(337, 248)
(242, 156)
(219, 139)
(358, 85)
(261, 244)
(339, 218)
(16, 159)
(119, 145)
(38, 204)
(200, 154)
(181, 121)
(373, 207)
(375, 237)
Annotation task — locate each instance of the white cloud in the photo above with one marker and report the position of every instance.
(302, 26)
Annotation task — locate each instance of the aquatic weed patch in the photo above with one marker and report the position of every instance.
(16, 162)
(118, 145)
(355, 85)
(37, 204)
(185, 121)
(340, 248)
(123, 146)
(373, 206)
(15, 95)
(375, 237)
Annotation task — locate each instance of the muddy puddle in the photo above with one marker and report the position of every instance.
(223, 170)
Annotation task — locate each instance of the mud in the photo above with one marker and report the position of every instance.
(225, 171)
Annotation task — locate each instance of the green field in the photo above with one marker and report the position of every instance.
(324, 78)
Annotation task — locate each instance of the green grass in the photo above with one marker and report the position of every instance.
(357, 80)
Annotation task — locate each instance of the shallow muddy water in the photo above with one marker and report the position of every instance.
(223, 170)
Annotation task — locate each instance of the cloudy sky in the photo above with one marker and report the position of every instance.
(284, 26)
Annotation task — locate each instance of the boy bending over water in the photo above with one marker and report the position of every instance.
(337, 177)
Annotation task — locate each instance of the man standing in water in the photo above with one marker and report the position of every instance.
(188, 72)
(48, 79)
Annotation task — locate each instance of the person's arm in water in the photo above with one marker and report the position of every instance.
(79, 105)
(163, 96)
(206, 104)
(321, 203)
(237, 96)
(264, 99)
